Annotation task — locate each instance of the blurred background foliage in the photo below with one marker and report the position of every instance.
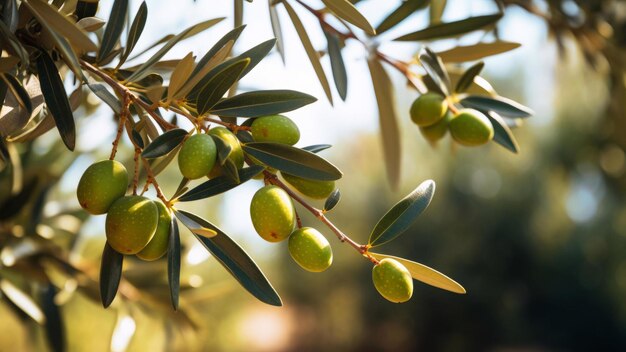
(537, 239)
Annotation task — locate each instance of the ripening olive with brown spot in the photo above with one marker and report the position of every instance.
(311, 188)
(131, 223)
(471, 128)
(428, 109)
(157, 247)
(100, 185)
(236, 154)
(310, 249)
(393, 280)
(272, 213)
(275, 128)
(197, 156)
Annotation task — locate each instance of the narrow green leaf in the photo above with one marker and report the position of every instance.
(114, 28)
(476, 51)
(346, 11)
(13, 44)
(55, 330)
(51, 18)
(257, 54)
(223, 149)
(233, 35)
(219, 84)
(164, 143)
(136, 28)
(406, 9)
(388, 120)
(316, 148)
(451, 29)
(337, 65)
(197, 80)
(190, 31)
(110, 274)
(435, 69)
(503, 106)
(56, 99)
(236, 261)
(332, 200)
(18, 91)
(437, 7)
(196, 226)
(403, 214)
(261, 103)
(91, 24)
(173, 263)
(103, 93)
(313, 55)
(293, 161)
(425, 274)
(502, 133)
(22, 300)
(277, 29)
(180, 75)
(220, 184)
(468, 76)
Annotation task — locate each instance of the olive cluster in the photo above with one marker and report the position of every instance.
(467, 127)
(134, 224)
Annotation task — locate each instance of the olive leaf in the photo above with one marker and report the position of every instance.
(18, 91)
(173, 263)
(142, 70)
(219, 84)
(164, 143)
(313, 55)
(476, 51)
(468, 76)
(293, 161)
(56, 99)
(229, 37)
(114, 28)
(337, 65)
(388, 120)
(110, 274)
(261, 103)
(502, 133)
(55, 330)
(435, 69)
(107, 97)
(235, 260)
(316, 148)
(346, 11)
(136, 28)
(503, 106)
(278, 32)
(425, 274)
(403, 214)
(436, 10)
(406, 9)
(22, 300)
(332, 200)
(219, 184)
(451, 29)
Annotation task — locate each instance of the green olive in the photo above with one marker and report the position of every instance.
(471, 128)
(197, 156)
(272, 213)
(157, 246)
(428, 109)
(311, 188)
(436, 132)
(102, 183)
(275, 128)
(393, 280)
(310, 249)
(131, 223)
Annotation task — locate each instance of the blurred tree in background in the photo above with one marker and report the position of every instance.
(537, 237)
